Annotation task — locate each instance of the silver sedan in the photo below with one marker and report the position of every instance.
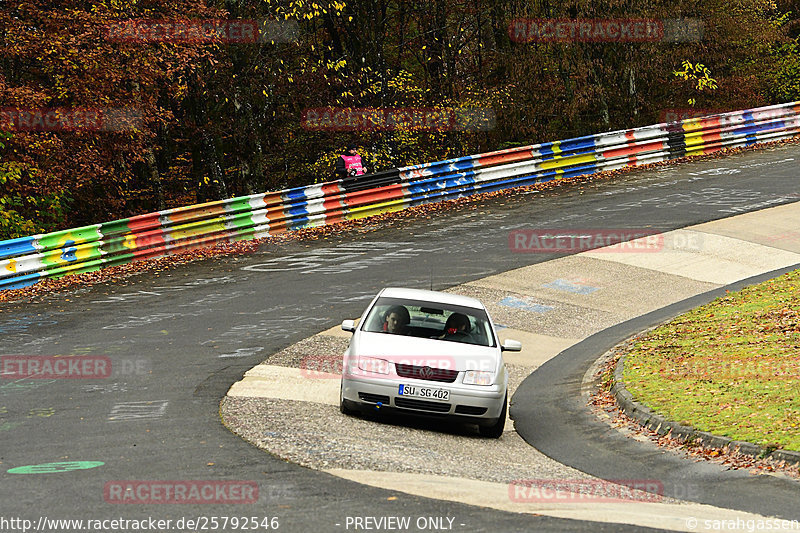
(429, 354)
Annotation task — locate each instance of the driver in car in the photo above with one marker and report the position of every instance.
(457, 327)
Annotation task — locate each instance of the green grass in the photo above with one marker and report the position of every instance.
(731, 367)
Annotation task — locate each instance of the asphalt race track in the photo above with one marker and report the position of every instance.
(177, 341)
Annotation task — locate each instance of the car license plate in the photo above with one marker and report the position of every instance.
(442, 395)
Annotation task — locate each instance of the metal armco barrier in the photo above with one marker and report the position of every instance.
(26, 261)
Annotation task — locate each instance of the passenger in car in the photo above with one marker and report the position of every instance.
(396, 320)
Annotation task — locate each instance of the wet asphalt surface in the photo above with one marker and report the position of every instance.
(178, 339)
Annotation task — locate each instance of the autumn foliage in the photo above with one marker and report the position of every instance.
(212, 118)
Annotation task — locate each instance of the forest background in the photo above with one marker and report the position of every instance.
(212, 119)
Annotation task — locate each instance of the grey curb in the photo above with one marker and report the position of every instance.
(647, 418)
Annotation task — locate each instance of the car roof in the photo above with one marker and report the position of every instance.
(431, 296)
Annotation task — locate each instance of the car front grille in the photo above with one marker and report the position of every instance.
(422, 405)
(373, 398)
(426, 372)
(470, 410)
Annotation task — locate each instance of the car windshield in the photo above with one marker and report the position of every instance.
(431, 320)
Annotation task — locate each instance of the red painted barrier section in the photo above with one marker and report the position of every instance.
(333, 203)
(634, 149)
(372, 196)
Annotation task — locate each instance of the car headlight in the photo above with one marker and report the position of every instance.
(373, 365)
(478, 377)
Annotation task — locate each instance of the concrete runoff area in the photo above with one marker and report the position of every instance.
(778, 227)
(551, 306)
(717, 259)
(285, 383)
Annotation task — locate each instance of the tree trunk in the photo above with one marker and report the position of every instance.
(155, 178)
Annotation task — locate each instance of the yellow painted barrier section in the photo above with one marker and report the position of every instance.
(551, 164)
(195, 229)
(377, 209)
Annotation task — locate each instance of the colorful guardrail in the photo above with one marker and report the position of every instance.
(28, 260)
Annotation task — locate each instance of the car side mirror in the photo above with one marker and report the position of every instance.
(510, 346)
(349, 325)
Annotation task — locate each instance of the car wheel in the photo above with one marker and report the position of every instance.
(495, 431)
(342, 402)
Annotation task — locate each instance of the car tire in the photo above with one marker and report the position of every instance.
(495, 431)
(343, 403)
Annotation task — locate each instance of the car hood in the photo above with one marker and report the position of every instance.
(425, 352)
